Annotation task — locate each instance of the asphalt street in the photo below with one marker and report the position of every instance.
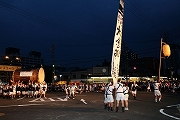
(55, 107)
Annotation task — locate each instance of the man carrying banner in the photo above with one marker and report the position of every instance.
(116, 54)
(105, 96)
(119, 91)
(109, 96)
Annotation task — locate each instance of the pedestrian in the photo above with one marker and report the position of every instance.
(119, 92)
(73, 90)
(44, 89)
(109, 96)
(105, 97)
(23, 90)
(5, 91)
(126, 95)
(67, 90)
(134, 88)
(37, 89)
(157, 92)
(14, 91)
(10, 88)
(1, 90)
(148, 87)
(18, 89)
(40, 90)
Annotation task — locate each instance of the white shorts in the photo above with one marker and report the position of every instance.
(5, 93)
(120, 96)
(23, 92)
(10, 93)
(105, 98)
(134, 92)
(36, 92)
(30, 92)
(157, 93)
(126, 96)
(14, 92)
(26, 93)
(110, 98)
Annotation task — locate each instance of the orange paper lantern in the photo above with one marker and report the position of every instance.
(166, 50)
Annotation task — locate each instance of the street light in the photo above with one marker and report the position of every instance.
(165, 49)
(7, 57)
(53, 74)
(60, 77)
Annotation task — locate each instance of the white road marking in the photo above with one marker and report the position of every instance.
(82, 100)
(62, 99)
(34, 100)
(51, 99)
(42, 99)
(47, 99)
(162, 111)
(172, 106)
(20, 105)
(21, 98)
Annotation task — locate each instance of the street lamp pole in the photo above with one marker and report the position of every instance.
(53, 67)
(159, 74)
(53, 74)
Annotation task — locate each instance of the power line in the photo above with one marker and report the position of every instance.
(150, 23)
(36, 18)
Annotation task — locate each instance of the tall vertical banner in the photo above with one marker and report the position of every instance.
(115, 63)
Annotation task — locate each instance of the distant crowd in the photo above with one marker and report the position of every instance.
(19, 89)
(39, 89)
(166, 86)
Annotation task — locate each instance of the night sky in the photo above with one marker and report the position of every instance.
(83, 30)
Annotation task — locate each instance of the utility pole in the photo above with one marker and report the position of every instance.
(52, 62)
(165, 50)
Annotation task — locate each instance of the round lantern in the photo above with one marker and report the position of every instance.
(166, 50)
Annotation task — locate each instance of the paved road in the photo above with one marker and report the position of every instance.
(55, 107)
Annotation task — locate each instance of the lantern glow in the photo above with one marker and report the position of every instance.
(166, 50)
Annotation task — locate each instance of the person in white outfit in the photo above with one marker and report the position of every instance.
(119, 95)
(126, 95)
(67, 91)
(148, 87)
(157, 92)
(44, 88)
(73, 90)
(36, 90)
(105, 97)
(134, 87)
(109, 96)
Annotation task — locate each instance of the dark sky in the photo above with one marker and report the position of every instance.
(83, 30)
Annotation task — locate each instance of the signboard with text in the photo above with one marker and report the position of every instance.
(26, 73)
(9, 68)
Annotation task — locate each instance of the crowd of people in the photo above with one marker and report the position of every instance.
(20, 89)
(121, 90)
(149, 86)
(165, 86)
